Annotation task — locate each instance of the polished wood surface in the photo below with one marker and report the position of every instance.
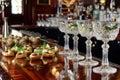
(22, 69)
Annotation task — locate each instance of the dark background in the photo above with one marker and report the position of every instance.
(43, 1)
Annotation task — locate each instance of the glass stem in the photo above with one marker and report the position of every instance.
(75, 68)
(105, 77)
(75, 60)
(88, 49)
(66, 47)
(88, 72)
(105, 48)
(5, 30)
(66, 65)
(66, 37)
(75, 47)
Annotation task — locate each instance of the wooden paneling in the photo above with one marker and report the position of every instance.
(43, 9)
(31, 9)
(1, 19)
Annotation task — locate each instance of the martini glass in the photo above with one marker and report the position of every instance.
(86, 30)
(105, 31)
(72, 28)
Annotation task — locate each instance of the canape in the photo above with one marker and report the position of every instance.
(28, 49)
(35, 41)
(20, 55)
(36, 54)
(9, 52)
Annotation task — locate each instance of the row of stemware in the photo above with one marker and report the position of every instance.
(102, 30)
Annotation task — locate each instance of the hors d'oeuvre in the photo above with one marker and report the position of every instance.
(24, 41)
(20, 62)
(7, 59)
(8, 52)
(36, 54)
(11, 36)
(28, 49)
(36, 64)
(1, 36)
(35, 41)
(49, 52)
(15, 48)
(4, 41)
(20, 53)
(10, 43)
(16, 39)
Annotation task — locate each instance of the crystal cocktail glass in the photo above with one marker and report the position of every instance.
(62, 23)
(86, 30)
(72, 28)
(105, 31)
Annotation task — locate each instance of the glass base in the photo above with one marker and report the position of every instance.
(88, 62)
(66, 75)
(76, 57)
(76, 77)
(104, 69)
(65, 52)
(79, 57)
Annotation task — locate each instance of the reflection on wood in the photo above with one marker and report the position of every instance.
(36, 70)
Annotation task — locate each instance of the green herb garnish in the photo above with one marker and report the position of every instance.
(43, 45)
(38, 52)
(90, 29)
(110, 27)
(20, 49)
(16, 47)
(74, 25)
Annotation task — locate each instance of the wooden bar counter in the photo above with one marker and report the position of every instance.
(22, 69)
